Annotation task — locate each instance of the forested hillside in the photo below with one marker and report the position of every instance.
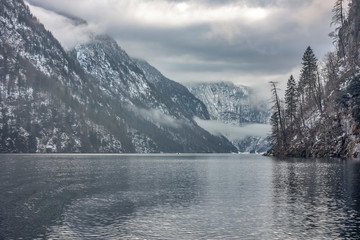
(320, 115)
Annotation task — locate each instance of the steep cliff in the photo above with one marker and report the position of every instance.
(236, 106)
(179, 94)
(97, 100)
(330, 128)
(229, 103)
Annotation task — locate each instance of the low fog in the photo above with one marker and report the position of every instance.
(234, 132)
(157, 117)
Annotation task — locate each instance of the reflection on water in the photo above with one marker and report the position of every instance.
(177, 197)
(316, 198)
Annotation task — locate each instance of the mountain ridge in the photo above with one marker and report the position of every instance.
(235, 106)
(178, 93)
(230, 103)
(68, 108)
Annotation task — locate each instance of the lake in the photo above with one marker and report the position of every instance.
(210, 196)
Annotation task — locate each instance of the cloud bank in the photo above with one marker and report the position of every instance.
(158, 118)
(246, 42)
(68, 31)
(232, 132)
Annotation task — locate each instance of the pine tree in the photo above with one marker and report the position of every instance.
(308, 71)
(309, 83)
(290, 103)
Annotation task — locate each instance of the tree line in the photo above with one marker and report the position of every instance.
(310, 120)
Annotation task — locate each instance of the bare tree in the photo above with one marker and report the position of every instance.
(277, 121)
(338, 17)
(338, 20)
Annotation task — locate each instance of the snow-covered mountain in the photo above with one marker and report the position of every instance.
(229, 103)
(179, 94)
(97, 100)
(44, 94)
(237, 106)
(113, 71)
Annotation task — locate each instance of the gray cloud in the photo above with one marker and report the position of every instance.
(69, 30)
(246, 42)
(262, 3)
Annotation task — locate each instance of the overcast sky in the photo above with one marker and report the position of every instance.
(248, 42)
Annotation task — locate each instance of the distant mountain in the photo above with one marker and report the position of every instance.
(179, 94)
(97, 100)
(234, 105)
(229, 103)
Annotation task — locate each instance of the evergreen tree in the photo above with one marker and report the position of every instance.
(308, 71)
(290, 103)
(331, 127)
(309, 83)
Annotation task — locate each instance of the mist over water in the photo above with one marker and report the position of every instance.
(233, 132)
(177, 197)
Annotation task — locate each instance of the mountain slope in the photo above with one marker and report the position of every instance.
(237, 107)
(328, 125)
(145, 109)
(112, 70)
(229, 103)
(51, 103)
(45, 95)
(178, 93)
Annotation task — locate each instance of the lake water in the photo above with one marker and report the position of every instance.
(177, 197)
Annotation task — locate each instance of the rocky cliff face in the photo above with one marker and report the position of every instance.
(336, 132)
(237, 106)
(97, 100)
(44, 94)
(349, 36)
(179, 94)
(334, 129)
(113, 71)
(229, 103)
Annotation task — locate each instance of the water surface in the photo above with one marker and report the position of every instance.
(177, 197)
